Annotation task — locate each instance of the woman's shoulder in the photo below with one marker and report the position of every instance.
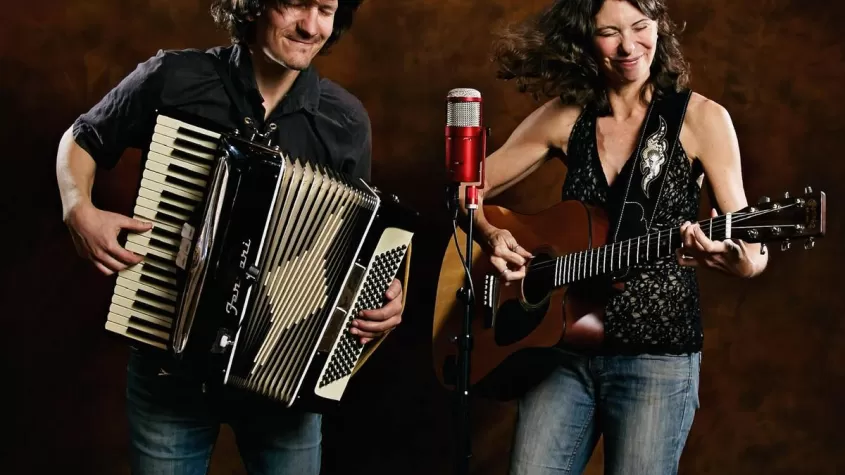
(555, 120)
(705, 121)
(704, 113)
(565, 112)
(555, 111)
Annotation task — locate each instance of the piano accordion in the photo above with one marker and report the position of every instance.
(257, 260)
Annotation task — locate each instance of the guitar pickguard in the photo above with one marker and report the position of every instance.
(514, 322)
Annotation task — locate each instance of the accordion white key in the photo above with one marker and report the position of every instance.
(258, 261)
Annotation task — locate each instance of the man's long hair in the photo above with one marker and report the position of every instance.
(237, 17)
(552, 53)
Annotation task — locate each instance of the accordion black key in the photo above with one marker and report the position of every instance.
(256, 260)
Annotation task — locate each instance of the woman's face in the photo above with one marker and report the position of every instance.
(625, 40)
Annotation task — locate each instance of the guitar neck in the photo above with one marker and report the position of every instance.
(624, 254)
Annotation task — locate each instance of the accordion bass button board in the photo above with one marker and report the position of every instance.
(256, 261)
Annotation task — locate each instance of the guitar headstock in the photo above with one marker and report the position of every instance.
(788, 219)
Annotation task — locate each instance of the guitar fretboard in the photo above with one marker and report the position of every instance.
(624, 254)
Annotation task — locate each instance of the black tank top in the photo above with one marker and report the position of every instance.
(658, 312)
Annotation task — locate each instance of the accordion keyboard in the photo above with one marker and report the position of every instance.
(175, 176)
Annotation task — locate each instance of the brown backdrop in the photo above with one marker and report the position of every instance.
(772, 383)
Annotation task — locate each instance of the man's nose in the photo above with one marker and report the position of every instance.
(308, 22)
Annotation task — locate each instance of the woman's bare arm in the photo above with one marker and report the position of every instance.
(524, 152)
(717, 147)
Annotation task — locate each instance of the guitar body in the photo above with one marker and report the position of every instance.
(517, 317)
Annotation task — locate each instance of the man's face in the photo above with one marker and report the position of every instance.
(292, 32)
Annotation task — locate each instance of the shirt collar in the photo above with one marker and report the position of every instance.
(304, 94)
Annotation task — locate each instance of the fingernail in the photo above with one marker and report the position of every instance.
(354, 331)
(355, 323)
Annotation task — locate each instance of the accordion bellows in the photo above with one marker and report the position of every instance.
(258, 259)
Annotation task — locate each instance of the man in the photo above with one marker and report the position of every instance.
(174, 413)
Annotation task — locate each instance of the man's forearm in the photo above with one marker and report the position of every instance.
(75, 171)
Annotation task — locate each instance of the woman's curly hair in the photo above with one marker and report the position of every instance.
(552, 53)
(236, 17)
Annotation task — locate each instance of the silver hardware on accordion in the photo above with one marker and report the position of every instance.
(258, 260)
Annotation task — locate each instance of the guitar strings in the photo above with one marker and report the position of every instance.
(720, 226)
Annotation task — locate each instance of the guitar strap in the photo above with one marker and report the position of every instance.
(640, 185)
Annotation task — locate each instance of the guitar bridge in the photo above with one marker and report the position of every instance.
(491, 297)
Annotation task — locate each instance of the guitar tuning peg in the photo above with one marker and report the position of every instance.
(810, 243)
(808, 190)
(763, 200)
(785, 245)
(763, 249)
(786, 195)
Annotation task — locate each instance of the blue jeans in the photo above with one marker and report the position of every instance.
(174, 420)
(642, 405)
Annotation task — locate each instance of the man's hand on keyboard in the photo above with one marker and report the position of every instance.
(95, 233)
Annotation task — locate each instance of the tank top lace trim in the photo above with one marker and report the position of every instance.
(659, 311)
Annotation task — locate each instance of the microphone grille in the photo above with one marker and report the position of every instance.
(463, 113)
(464, 92)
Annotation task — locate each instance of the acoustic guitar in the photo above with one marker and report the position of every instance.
(562, 295)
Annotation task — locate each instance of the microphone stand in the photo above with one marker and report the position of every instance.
(466, 294)
(464, 342)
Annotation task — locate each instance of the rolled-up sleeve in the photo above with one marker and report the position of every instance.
(123, 117)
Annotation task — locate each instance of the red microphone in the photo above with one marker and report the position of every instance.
(466, 141)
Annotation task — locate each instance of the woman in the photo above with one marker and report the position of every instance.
(604, 62)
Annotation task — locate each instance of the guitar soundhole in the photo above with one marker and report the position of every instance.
(539, 280)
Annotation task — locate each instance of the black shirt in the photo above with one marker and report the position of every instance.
(317, 120)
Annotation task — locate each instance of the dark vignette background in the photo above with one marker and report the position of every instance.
(772, 382)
